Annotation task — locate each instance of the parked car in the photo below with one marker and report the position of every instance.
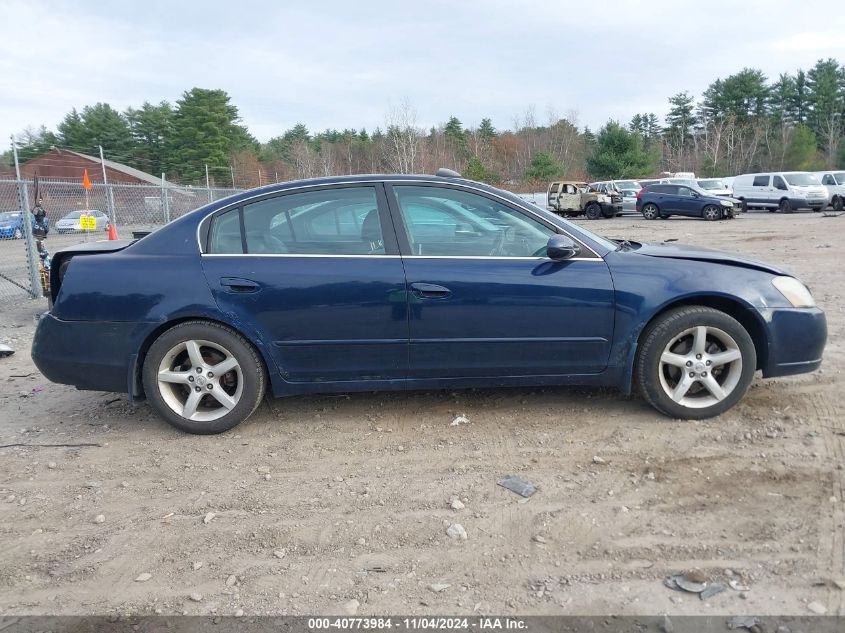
(364, 283)
(784, 191)
(834, 182)
(12, 227)
(571, 198)
(715, 187)
(70, 223)
(627, 189)
(664, 201)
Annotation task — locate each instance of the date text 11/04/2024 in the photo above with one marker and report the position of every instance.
(418, 623)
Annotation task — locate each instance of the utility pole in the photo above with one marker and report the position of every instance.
(208, 184)
(109, 196)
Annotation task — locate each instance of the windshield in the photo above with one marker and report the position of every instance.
(573, 228)
(801, 180)
(8, 215)
(628, 184)
(711, 184)
(839, 177)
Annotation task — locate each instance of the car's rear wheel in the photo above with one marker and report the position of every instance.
(203, 377)
(785, 206)
(838, 203)
(695, 362)
(743, 205)
(711, 212)
(650, 211)
(593, 211)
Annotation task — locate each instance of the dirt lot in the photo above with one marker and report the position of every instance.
(317, 501)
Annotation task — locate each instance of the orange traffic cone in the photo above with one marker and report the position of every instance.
(112, 232)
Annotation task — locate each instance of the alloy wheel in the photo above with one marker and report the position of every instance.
(200, 380)
(711, 213)
(700, 367)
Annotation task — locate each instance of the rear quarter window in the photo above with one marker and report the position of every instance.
(761, 181)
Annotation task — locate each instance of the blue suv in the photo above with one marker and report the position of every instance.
(665, 200)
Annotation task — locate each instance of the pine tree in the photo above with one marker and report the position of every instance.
(206, 131)
(98, 125)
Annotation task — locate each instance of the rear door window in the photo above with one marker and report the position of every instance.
(342, 221)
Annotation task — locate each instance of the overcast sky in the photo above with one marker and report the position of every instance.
(343, 64)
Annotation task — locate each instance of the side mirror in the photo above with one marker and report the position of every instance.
(561, 247)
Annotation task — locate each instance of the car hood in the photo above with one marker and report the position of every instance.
(673, 250)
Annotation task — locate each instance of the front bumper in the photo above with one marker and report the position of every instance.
(88, 355)
(808, 203)
(797, 337)
(609, 209)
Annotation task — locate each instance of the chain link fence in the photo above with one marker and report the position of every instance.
(75, 215)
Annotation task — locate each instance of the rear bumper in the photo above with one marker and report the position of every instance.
(88, 355)
(797, 337)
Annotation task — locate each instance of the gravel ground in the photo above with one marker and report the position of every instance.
(320, 502)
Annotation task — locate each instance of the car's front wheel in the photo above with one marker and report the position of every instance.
(593, 211)
(785, 206)
(650, 211)
(711, 212)
(695, 362)
(203, 377)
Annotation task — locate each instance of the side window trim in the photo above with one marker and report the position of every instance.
(402, 231)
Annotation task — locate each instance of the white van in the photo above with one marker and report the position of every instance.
(834, 182)
(784, 191)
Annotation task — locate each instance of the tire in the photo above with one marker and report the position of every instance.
(838, 203)
(669, 343)
(785, 206)
(241, 387)
(593, 211)
(743, 205)
(651, 212)
(711, 212)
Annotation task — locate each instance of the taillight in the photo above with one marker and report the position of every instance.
(639, 193)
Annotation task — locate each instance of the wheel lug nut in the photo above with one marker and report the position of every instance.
(692, 374)
(190, 379)
(210, 386)
(698, 356)
(689, 363)
(708, 363)
(704, 374)
(199, 370)
(211, 374)
(197, 389)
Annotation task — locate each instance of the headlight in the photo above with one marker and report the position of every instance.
(795, 292)
(727, 203)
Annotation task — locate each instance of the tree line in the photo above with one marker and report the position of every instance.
(743, 122)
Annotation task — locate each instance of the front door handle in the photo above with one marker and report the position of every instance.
(236, 284)
(430, 291)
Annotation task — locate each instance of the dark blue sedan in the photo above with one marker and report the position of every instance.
(666, 200)
(364, 283)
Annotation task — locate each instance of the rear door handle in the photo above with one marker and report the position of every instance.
(430, 291)
(236, 284)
